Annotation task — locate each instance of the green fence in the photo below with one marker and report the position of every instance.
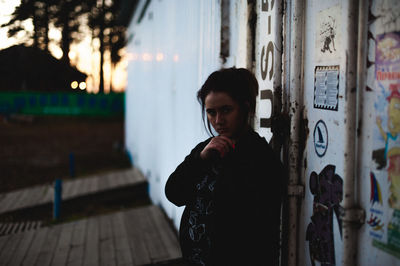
(38, 103)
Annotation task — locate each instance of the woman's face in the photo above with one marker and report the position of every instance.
(224, 114)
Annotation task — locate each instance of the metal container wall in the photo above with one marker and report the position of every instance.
(350, 214)
(327, 113)
(174, 46)
(379, 153)
(331, 67)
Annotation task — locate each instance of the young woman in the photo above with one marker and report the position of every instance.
(231, 184)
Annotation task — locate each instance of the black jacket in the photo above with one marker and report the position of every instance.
(248, 195)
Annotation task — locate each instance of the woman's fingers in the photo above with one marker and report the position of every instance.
(227, 140)
(221, 144)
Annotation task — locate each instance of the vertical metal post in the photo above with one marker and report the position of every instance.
(72, 164)
(353, 215)
(294, 86)
(57, 199)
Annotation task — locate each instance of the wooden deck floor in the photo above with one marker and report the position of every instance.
(39, 195)
(138, 236)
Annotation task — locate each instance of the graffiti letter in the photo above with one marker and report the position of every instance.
(265, 7)
(264, 66)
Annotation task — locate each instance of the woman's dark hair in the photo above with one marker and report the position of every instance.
(239, 83)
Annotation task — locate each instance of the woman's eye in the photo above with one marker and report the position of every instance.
(211, 112)
(226, 110)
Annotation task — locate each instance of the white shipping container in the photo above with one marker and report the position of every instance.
(329, 101)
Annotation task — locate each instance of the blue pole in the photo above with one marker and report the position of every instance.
(57, 198)
(72, 164)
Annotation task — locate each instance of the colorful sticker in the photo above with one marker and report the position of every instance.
(384, 220)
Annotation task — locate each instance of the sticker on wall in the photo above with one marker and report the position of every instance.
(328, 34)
(376, 194)
(326, 87)
(320, 138)
(377, 219)
(386, 145)
(327, 188)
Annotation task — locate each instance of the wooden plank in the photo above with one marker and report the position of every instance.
(107, 248)
(3, 228)
(63, 245)
(2, 196)
(120, 179)
(46, 253)
(83, 187)
(33, 225)
(28, 197)
(44, 194)
(3, 241)
(167, 235)
(8, 229)
(15, 228)
(137, 243)
(35, 247)
(26, 242)
(139, 175)
(9, 200)
(133, 176)
(122, 249)
(112, 182)
(20, 201)
(155, 247)
(94, 185)
(27, 226)
(78, 189)
(77, 243)
(91, 257)
(37, 193)
(47, 195)
(126, 178)
(102, 182)
(21, 228)
(73, 190)
(8, 251)
(67, 188)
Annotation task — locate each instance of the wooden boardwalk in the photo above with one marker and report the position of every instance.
(72, 188)
(140, 236)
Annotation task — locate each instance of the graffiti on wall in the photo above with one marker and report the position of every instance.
(266, 57)
(327, 37)
(384, 217)
(327, 188)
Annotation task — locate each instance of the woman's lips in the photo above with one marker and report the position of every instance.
(222, 130)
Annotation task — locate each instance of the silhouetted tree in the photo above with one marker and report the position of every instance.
(111, 35)
(69, 16)
(38, 12)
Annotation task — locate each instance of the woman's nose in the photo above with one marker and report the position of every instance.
(219, 118)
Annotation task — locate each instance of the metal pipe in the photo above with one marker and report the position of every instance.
(295, 84)
(353, 63)
(361, 84)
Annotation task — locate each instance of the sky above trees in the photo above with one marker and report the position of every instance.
(83, 33)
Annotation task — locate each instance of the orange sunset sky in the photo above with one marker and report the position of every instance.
(83, 55)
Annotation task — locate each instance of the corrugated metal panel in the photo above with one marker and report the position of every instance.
(174, 48)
